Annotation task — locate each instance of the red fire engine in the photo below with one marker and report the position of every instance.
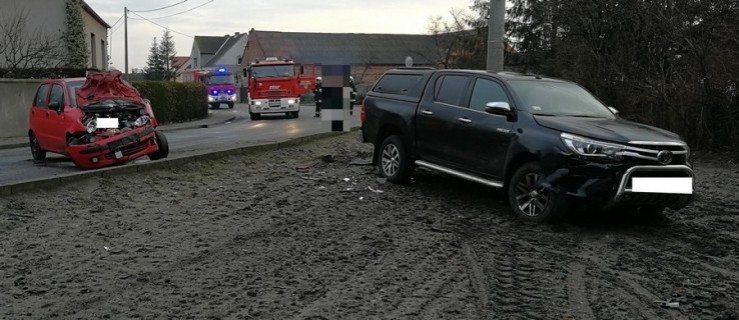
(219, 83)
(275, 86)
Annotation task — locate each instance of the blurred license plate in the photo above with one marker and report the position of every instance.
(662, 185)
(107, 123)
(274, 103)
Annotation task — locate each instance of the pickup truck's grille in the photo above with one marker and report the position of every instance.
(656, 154)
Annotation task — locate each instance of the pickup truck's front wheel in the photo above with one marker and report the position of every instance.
(530, 201)
(394, 162)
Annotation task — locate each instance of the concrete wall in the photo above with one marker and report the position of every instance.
(16, 97)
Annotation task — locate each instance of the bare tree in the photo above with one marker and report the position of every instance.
(21, 48)
(451, 38)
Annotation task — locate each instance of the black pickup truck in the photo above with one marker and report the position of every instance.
(551, 145)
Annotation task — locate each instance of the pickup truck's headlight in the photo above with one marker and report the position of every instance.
(592, 148)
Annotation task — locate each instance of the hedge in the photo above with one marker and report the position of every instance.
(174, 101)
(44, 73)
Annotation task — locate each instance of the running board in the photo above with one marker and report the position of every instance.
(456, 173)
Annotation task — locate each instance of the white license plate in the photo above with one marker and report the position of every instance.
(662, 185)
(107, 123)
(118, 154)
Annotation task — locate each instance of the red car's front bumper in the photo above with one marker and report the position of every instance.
(116, 149)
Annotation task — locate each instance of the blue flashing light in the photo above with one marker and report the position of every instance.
(214, 92)
(221, 70)
(229, 91)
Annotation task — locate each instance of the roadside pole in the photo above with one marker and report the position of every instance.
(496, 32)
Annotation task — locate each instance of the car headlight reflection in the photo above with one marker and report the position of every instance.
(141, 121)
(592, 148)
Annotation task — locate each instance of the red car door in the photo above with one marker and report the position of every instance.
(58, 121)
(38, 120)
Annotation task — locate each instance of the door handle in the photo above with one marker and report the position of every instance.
(464, 120)
(427, 113)
(47, 114)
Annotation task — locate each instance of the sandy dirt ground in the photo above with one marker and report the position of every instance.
(302, 233)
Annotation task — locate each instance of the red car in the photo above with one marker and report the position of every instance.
(97, 121)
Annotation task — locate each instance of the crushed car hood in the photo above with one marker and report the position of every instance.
(616, 130)
(107, 86)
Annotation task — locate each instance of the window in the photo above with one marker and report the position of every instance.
(57, 95)
(40, 100)
(403, 84)
(93, 45)
(486, 91)
(449, 89)
(103, 55)
(73, 86)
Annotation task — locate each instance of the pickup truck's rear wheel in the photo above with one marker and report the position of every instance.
(394, 162)
(36, 151)
(530, 201)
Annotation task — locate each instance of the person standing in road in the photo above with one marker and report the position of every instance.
(317, 90)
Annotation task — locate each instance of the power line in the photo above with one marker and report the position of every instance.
(161, 26)
(157, 9)
(116, 22)
(188, 10)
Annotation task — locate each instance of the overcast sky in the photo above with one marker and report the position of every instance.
(220, 17)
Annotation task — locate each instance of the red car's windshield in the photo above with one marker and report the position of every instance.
(72, 87)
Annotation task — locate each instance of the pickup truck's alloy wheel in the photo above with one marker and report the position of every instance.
(394, 162)
(36, 151)
(529, 199)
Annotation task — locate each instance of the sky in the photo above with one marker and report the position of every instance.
(221, 17)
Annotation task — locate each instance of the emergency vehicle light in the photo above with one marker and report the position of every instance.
(221, 70)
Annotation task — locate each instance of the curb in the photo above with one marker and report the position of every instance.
(52, 182)
(184, 127)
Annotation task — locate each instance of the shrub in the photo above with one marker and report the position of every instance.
(174, 101)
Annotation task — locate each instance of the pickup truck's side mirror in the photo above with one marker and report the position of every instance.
(499, 108)
(55, 105)
(614, 110)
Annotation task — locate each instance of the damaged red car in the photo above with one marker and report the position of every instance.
(97, 121)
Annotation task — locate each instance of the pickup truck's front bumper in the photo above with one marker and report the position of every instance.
(606, 185)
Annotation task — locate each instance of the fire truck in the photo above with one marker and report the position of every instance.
(219, 84)
(275, 86)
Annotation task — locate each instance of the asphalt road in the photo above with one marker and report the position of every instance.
(17, 165)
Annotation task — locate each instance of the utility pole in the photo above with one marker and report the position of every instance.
(496, 32)
(125, 38)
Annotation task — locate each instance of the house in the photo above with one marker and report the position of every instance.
(181, 63)
(44, 20)
(210, 52)
(369, 55)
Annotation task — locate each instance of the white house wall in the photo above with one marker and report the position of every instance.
(231, 57)
(49, 18)
(93, 27)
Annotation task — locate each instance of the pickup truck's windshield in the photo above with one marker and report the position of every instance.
(272, 71)
(558, 99)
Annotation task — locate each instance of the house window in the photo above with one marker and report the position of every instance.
(93, 45)
(103, 55)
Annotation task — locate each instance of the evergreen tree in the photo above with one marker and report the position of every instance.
(167, 52)
(155, 63)
(74, 36)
